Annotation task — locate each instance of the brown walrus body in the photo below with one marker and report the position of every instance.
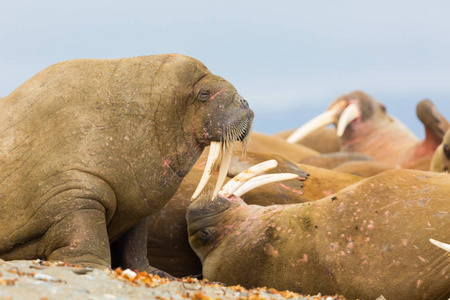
(91, 147)
(367, 240)
(168, 247)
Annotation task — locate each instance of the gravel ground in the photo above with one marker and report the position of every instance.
(24, 279)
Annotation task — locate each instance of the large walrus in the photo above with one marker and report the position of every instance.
(365, 127)
(367, 240)
(91, 147)
(168, 247)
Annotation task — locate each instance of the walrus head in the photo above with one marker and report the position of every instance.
(347, 112)
(206, 218)
(440, 161)
(231, 122)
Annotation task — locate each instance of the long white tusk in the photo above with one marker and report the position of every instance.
(246, 175)
(224, 166)
(261, 180)
(441, 245)
(322, 120)
(349, 114)
(214, 153)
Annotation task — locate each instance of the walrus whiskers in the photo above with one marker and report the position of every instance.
(232, 134)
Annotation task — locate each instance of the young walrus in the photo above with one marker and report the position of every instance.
(91, 147)
(367, 240)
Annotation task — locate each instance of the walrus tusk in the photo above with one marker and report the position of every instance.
(441, 245)
(224, 166)
(246, 175)
(214, 153)
(322, 120)
(261, 180)
(349, 114)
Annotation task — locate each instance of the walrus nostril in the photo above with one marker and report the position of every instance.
(241, 100)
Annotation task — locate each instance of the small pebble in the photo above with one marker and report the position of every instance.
(82, 271)
(130, 274)
(44, 277)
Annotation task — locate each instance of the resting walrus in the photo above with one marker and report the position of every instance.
(364, 126)
(367, 240)
(91, 147)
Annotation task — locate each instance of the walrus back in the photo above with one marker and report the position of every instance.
(60, 117)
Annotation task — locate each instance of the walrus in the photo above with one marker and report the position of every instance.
(334, 159)
(323, 140)
(440, 161)
(264, 143)
(91, 147)
(168, 246)
(364, 168)
(365, 127)
(367, 240)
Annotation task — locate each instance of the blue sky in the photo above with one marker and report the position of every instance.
(289, 59)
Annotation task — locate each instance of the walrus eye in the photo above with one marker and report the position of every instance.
(204, 235)
(203, 96)
(383, 108)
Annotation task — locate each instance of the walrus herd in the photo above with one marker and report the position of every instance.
(104, 163)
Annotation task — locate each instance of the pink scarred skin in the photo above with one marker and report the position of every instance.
(367, 240)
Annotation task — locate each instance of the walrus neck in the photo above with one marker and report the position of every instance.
(375, 139)
(179, 151)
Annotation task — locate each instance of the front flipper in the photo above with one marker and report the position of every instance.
(130, 250)
(80, 238)
(77, 208)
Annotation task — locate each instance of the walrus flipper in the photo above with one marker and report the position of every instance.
(130, 250)
(83, 204)
(432, 119)
(85, 240)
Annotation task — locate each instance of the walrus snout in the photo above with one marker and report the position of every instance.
(204, 208)
(241, 100)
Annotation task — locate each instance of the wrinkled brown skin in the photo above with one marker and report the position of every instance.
(364, 168)
(367, 240)
(91, 147)
(385, 138)
(168, 246)
(441, 157)
(263, 143)
(323, 140)
(332, 160)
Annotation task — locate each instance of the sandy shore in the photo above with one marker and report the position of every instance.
(43, 280)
